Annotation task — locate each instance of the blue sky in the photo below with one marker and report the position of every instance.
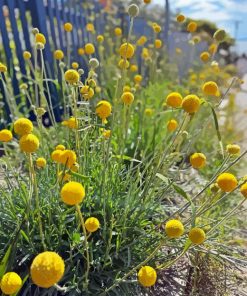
(224, 12)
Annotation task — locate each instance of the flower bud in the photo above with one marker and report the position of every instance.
(133, 10)
(80, 71)
(40, 46)
(35, 31)
(220, 35)
(94, 63)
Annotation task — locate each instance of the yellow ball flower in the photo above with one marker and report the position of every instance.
(81, 51)
(142, 40)
(90, 27)
(233, 149)
(198, 160)
(56, 155)
(75, 65)
(133, 68)
(3, 68)
(172, 125)
(174, 228)
(68, 27)
(191, 104)
(87, 92)
(40, 38)
(23, 126)
(192, 26)
(71, 76)
(100, 38)
(40, 162)
(213, 48)
(145, 53)
(103, 109)
(118, 31)
(72, 193)
(147, 276)
(106, 134)
(58, 54)
(158, 43)
(227, 182)
(205, 56)
(180, 18)
(29, 143)
(5, 135)
(72, 123)
(243, 190)
(63, 176)
(60, 147)
(123, 64)
(47, 269)
(10, 283)
(127, 50)
(210, 88)
(27, 55)
(138, 78)
(147, 1)
(148, 111)
(197, 236)
(92, 224)
(127, 97)
(156, 28)
(126, 88)
(89, 48)
(174, 100)
(67, 157)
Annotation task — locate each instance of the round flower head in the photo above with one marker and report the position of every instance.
(174, 100)
(75, 65)
(10, 283)
(172, 125)
(127, 50)
(89, 48)
(87, 92)
(47, 269)
(127, 97)
(56, 155)
(197, 236)
(23, 126)
(3, 68)
(133, 10)
(40, 162)
(243, 190)
(118, 31)
(191, 104)
(198, 160)
(72, 123)
(158, 43)
(142, 40)
(72, 193)
(90, 27)
(220, 35)
(156, 28)
(106, 134)
(58, 54)
(67, 157)
(123, 64)
(205, 56)
(192, 26)
(92, 224)
(148, 112)
(133, 68)
(29, 143)
(147, 276)
(174, 228)
(213, 48)
(60, 147)
(180, 18)
(40, 38)
(71, 76)
(5, 135)
(27, 55)
(233, 149)
(103, 109)
(81, 51)
(100, 38)
(210, 88)
(68, 27)
(227, 182)
(147, 1)
(138, 78)
(94, 63)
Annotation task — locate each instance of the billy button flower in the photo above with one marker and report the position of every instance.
(106, 134)
(227, 182)
(156, 28)
(180, 18)
(56, 155)
(198, 160)
(40, 162)
(158, 43)
(5, 135)
(60, 147)
(92, 224)
(23, 126)
(68, 27)
(87, 92)
(89, 48)
(213, 48)
(172, 125)
(47, 269)
(233, 149)
(118, 31)
(211, 88)
(100, 38)
(3, 68)
(72, 123)
(58, 54)
(138, 78)
(174, 228)
(147, 1)
(127, 50)
(72, 193)
(174, 100)
(147, 276)
(10, 283)
(191, 27)
(40, 38)
(29, 143)
(90, 27)
(27, 55)
(243, 190)
(205, 56)
(127, 98)
(148, 112)
(71, 76)
(191, 104)
(197, 236)
(103, 110)
(81, 51)
(141, 41)
(67, 157)
(133, 68)
(123, 64)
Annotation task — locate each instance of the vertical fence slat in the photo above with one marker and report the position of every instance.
(51, 21)
(22, 9)
(59, 24)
